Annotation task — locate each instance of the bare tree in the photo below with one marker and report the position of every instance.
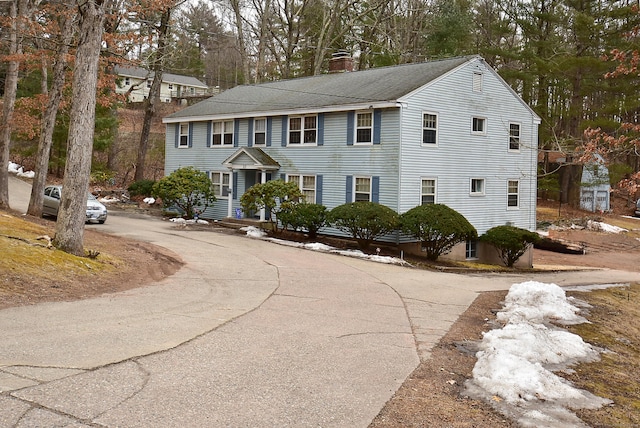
(69, 231)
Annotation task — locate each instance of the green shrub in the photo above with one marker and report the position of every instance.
(364, 221)
(274, 196)
(309, 217)
(511, 242)
(141, 188)
(187, 189)
(438, 228)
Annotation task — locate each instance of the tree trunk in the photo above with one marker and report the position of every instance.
(49, 118)
(154, 94)
(72, 215)
(17, 10)
(244, 57)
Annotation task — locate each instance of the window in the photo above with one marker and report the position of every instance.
(307, 184)
(302, 130)
(514, 136)
(512, 193)
(127, 81)
(260, 132)
(220, 182)
(479, 125)
(428, 193)
(477, 186)
(364, 127)
(477, 81)
(222, 134)
(429, 128)
(471, 250)
(183, 137)
(149, 83)
(362, 189)
(170, 85)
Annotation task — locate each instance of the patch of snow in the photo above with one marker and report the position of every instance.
(604, 227)
(149, 201)
(254, 232)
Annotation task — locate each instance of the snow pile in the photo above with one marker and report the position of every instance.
(149, 200)
(254, 232)
(515, 363)
(109, 200)
(183, 222)
(14, 168)
(604, 227)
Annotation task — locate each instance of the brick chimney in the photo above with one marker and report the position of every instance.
(340, 62)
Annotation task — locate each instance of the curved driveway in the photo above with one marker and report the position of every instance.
(248, 333)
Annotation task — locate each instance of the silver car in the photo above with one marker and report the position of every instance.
(96, 212)
(637, 212)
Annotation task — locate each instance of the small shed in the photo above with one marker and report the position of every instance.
(595, 187)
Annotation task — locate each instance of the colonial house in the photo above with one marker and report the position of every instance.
(136, 82)
(449, 131)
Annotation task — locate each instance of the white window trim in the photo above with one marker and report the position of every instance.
(256, 132)
(437, 133)
(222, 134)
(435, 189)
(484, 130)
(180, 135)
(517, 207)
(302, 129)
(484, 186)
(466, 250)
(355, 179)
(300, 183)
(519, 136)
(355, 128)
(221, 175)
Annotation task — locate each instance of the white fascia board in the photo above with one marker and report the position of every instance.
(293, 112)
(406, 97)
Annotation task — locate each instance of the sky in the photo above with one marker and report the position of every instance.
(517, 361)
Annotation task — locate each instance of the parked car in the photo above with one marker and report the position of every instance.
(96, 212)
(637, 212)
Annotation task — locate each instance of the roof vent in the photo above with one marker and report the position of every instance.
(340, 62)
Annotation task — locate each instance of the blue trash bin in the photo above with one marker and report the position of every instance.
(238, 213)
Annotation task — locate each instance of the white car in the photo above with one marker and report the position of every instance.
(96, 212)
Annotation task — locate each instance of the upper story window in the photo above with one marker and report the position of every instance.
(364, 128)
(170, 85)
(514, 136)
(362, 189)
(303, 130)
(222, 133)
(183, 138)
(477, 81)
(428, 192)
(477, 186)
(479, 125)
(307, 184)
(429, 128)
(220, 182)
(149, 83)
(513, 194)
(260, 132)
(127, 81)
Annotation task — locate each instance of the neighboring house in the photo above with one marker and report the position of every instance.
(595, 189)
(136, 82)
(448, 131)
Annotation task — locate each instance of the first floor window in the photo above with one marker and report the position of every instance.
(220, 182)
(364, 127)
(514, 136)
(477, 186)
(362, 189)
(307, 184)
(303, 130)
(184, 135)
(222, 133)
(479, 125)
(513, 193)
(471, 250)
(260, 132)
(429, 128)
(428, 194)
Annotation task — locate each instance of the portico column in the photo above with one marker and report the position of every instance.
(230, 197)
(263, 179)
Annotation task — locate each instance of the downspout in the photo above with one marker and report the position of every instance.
(401, 106)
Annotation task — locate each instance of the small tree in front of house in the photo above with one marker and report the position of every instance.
(274, 196)
(186, 188)
(364, 221)
(309, 217)
(438, 228)
(510, 241)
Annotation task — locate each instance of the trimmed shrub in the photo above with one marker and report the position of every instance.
(274, 196)
(141, 188)
(309, 217)
(364, 221)
(438, 228)
(186, 189)
(511, 242)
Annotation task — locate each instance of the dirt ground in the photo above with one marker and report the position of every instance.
(433, 394)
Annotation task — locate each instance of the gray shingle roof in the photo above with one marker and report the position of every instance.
(367, 86)
(142, 73)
